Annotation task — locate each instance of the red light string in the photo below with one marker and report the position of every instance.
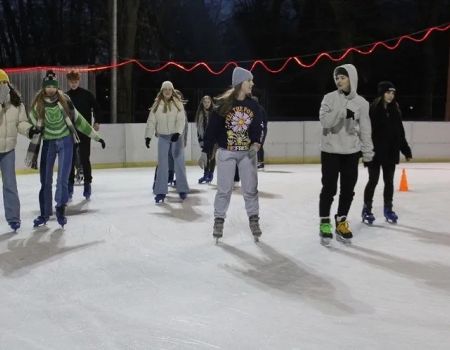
(362, 50)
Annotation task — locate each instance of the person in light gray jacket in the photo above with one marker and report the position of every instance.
(13, 120)
(346, 134)
(167, 120)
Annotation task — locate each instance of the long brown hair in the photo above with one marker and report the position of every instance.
(378, 103)
(200, 114)
(176, 98)
(38, 103)
(14, 96)
(226, 100)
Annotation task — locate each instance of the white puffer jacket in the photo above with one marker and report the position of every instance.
(171, 122)
(12, 120)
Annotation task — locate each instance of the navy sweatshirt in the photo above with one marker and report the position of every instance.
(237, 130)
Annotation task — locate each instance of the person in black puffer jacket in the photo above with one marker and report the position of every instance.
(389, 140)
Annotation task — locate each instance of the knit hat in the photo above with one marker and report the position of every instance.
(167, 85)
(240, 75)
(385, 86)
(3, 76)
(340, 71)
(50, 80)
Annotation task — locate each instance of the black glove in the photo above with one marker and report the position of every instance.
(350, 114)
(102, 143)
(175, 137)
(367, 164)
(33, 131)
(147, 142)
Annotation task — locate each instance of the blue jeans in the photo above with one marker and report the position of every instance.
(10, 196)
(64, 149)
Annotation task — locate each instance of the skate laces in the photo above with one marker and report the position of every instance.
(343, 227)
(326, 228)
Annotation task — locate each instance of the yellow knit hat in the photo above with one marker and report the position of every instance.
(3, 76)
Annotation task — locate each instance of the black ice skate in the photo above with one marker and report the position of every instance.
(253, 222)
(390, 215)
(160, 198)
(61, 215)
(218, 229)
(343, 232)
(367, 215)
(40, 220)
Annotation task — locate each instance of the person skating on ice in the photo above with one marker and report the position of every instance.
(389, 140)
(85, 103)
(235, 125)
(346, 134)
(167, 120)
(53, 112)
(14, 121)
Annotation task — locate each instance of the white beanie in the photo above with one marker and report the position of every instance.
(167, 85)
(240, 75)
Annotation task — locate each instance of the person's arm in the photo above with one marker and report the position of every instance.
(82, 125)
(404, 147)
(23, 125)
(151, 124)
(365, 134)
(210, 136)
(180, 121)
(328, 115)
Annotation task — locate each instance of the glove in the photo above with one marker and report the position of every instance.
(147, 142)
(175, 137)
(408, 158)
(350, 114)
(33, 131)
(253, 150)
(203, 160)
(102, 142)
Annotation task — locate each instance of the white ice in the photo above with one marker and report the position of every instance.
(128, 274)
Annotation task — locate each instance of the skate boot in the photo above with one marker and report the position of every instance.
(260, 166)
(183, 195)
(210, 177)
(254, 227)
(87, 191)
(367, 215)
(171, 181)
(390, 215)
(61, 215)
(15, 225)
(40, 220)
(160, 198)
(204, 178)
(343, 232)
(218, 229)
(326, 232)
(70, 187)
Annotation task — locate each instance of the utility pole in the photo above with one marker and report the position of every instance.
(114, 62)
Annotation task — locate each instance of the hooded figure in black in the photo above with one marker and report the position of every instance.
(389, 140)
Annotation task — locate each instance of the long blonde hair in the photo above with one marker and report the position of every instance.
(176, 99)
(38, 103)
(226, 100)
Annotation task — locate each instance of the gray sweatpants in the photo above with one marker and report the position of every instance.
(162, 172)
(226, 166)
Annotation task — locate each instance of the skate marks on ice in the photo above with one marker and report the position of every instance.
(6, 236)
(181, 210)
(282, 274)
(426, 236)
(22, 255)
(433, 274)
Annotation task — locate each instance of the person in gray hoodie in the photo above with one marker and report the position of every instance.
(346, 134)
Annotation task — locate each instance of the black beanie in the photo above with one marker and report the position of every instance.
(384, 86)
(340, 71)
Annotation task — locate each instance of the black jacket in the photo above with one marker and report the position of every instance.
(388, 134)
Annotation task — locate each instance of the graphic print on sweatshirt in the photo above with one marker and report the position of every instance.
(237, 123)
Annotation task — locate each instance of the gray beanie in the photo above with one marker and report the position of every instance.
(240, 75)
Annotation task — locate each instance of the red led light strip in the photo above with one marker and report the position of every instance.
(362, 50)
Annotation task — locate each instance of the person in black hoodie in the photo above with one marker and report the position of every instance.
(84, 101)
(235, 125)
(389, 140)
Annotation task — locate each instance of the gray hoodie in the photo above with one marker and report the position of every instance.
(341, 135)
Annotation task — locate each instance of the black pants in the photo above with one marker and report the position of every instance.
(344, 167)
(388, 177)
(84, 148)
(210, 162)
(261, 155)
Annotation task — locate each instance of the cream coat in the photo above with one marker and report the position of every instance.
(12, 120)
(160, 123)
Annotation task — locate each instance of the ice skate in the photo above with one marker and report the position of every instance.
(218, 229)
(87, 191)
(61, 215)
(367, 215)
(325, 232)
(40, 220)
(204, 179)
(15, 225)
(183, 195)
(390, 215)
(343, 232)
(160, 198)
(254, 227)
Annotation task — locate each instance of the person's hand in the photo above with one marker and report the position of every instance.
(147, 142)
(102, 142)
(350, 114)
(175, 137)
(203, 160)
(408, 159)
(33, 131)
(253, 150)
(96, 126)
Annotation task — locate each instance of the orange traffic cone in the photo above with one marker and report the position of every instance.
(403, 182)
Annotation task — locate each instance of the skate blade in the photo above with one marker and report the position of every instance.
(345, 241)
(256, 239)
(326, 242)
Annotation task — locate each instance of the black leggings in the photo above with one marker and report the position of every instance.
(388, 177)
(334, 166)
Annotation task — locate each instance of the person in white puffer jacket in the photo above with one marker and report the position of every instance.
(167, 120)
(346, 134)
(13, 120)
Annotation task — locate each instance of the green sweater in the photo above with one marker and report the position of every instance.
(56, 128)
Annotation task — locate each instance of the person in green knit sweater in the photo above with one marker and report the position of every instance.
(53, 113)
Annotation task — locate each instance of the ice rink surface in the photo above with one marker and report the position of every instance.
(128, 274)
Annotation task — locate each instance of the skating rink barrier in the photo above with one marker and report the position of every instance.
(287, 142)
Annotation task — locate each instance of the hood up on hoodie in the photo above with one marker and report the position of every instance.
(353, 77)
